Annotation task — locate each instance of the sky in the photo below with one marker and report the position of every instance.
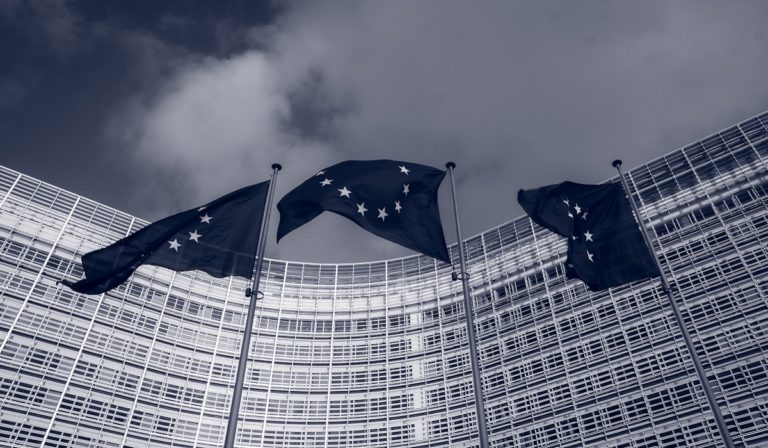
(155, 107)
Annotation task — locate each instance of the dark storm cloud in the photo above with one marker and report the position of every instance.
(70, 67)
(517, 94)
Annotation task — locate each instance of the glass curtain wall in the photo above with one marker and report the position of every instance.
(375, 354)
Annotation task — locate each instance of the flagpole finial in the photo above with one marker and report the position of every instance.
(450, 165)
(277, 166)
(616, 163)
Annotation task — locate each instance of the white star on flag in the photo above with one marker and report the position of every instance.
(382, 213)
(344, 192)
(320, 173)
(326, 182)
(587, 236)
(361, 208)
(406, 189)
(206, 219)
(405, 170)
(397, 206)
(201, 209)
(174, 245)
(193, 236)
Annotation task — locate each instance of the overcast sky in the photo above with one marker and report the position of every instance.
(155, 107)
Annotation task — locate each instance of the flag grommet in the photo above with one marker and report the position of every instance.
(459, 276)
(249, 293)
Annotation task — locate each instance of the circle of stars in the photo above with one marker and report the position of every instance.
(345, 192)
(577, 214)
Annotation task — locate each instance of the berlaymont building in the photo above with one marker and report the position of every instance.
(375, 354)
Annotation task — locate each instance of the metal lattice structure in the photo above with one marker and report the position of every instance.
(375, 354)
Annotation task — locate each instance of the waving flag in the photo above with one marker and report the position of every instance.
(219, 238)
(394, 200)
(605, 246)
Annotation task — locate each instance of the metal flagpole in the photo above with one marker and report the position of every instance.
(482, 428)
(679, 318)
(253, 293)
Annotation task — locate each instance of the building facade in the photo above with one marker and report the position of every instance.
(375, 354)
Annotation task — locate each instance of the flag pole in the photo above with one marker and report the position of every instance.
(482, 428)
(726, 436)
(253, 294)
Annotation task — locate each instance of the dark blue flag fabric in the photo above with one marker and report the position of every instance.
(219, 238)
(394, 200)
(605, 245)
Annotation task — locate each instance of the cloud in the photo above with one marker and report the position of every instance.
(220, 121)
(518, 95)
(219, 124)
(521, 95)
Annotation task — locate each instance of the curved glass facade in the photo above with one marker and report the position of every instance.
(375, 354)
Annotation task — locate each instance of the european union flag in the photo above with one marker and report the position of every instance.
(394, 200)
(605, 244)
(219, 238)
